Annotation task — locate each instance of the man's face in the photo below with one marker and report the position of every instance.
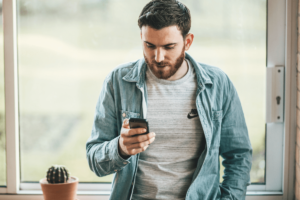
(164, 50)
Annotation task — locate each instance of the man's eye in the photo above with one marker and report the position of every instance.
(171, 47)
(151, 47)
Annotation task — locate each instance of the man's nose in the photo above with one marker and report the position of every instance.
(159, 55)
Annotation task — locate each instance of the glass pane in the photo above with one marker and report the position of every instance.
(66, 48)
(232, 36)
(2, 108)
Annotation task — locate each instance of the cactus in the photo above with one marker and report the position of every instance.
(57, 174)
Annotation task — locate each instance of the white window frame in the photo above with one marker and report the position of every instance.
(281, 137)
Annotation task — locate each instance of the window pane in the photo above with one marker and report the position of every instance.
(232, 36)
(2, 108)
(66, 48)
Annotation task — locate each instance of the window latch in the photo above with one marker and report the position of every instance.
(275, 90)
(278, 100)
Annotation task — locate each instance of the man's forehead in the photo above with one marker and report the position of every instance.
(163, 36)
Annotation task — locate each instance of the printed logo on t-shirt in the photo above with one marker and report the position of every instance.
(192, 114)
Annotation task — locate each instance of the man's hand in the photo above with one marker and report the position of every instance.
(131, 141)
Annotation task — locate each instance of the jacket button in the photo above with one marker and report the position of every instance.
(124, 114)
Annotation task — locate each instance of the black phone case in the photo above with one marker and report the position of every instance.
(139, 123)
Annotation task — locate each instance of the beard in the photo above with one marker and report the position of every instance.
(165, 70)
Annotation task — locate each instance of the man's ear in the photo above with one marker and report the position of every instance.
(188, 41)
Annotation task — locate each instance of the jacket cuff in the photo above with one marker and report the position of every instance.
(118, 161)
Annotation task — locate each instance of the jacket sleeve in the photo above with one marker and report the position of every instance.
(102, 146)
(235, 149)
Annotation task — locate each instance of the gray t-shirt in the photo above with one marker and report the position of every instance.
(166, 168)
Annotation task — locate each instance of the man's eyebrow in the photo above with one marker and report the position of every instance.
(162, 45)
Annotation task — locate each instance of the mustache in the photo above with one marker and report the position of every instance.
(160, 64)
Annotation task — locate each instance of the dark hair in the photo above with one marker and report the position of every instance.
(163, 13)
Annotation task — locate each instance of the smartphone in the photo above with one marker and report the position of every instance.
(139, 123)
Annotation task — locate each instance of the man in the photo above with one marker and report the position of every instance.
(194, 115)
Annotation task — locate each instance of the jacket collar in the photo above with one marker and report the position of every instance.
(137, 73)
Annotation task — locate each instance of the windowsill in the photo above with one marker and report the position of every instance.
(250, 193)
(104, 195)
(103, 191)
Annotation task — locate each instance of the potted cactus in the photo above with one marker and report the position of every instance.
(58, 184)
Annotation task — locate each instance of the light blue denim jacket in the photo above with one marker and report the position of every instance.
(124, 95)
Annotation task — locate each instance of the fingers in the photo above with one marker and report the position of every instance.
(125, 123)
(131, 132)
(138, 138)
(126, 132)
(142, 138)
(136, 131)
(130, 146)
(136, 151)
(139, 147)
(141, 144)
(132, 142)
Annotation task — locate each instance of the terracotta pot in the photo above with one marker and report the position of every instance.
(60, 191)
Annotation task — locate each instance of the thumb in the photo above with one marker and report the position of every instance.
(126, 123)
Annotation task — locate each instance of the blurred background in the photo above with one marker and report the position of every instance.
(66, 49)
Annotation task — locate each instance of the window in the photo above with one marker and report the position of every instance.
(62, 53)
(2, 109)
(64, 56)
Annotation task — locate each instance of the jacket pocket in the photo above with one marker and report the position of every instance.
(128, 114)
